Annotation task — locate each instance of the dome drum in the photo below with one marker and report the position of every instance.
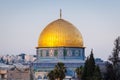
(61, 53)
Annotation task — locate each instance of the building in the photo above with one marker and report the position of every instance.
(18, 73)
(3, 71)
(14, 72)
(60, 41)
(29, 58)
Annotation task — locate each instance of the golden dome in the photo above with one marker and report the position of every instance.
(60, 33)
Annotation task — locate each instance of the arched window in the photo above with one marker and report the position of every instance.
(39, 77)
(45, 77)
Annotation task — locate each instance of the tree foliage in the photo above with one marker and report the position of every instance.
(51, 75)
(115, 61)
(58, 72)
(91, 71)
(115, 57)
(79, 72)
(109, 75)
(97, 73)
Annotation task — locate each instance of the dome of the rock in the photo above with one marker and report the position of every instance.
(60, 33)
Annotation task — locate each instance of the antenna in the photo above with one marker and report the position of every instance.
(60, 13)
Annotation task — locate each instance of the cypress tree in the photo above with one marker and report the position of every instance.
(109, 75)
(85, 70)
(91, 64)
(115, 58)
(97, 74)
(91, 71)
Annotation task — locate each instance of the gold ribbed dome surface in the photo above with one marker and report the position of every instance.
(60, 33)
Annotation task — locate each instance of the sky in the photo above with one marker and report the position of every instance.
(21, 22)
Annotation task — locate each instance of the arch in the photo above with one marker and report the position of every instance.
(39, 77)
(70, 73)
(45, 77)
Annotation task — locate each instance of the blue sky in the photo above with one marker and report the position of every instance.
(21, 22)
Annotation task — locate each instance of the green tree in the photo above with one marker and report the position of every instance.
(109, 75)
(60, 71)
(51, 75)
(79, 71)
(91, 71)
(85, 75)
(115, 59)
(97, 74)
